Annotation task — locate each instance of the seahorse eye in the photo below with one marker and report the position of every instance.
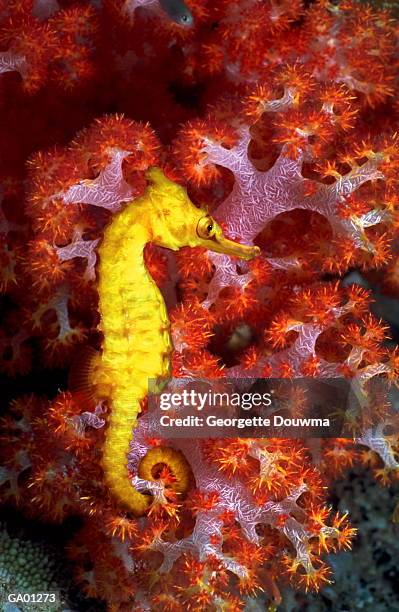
(205, 227)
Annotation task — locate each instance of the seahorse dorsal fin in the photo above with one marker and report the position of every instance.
(81, 374)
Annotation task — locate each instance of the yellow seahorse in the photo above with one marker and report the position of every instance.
(137, 344)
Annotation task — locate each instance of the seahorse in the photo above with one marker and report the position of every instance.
(137, 343)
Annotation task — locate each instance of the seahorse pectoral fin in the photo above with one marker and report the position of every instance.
(220, 244)
(82, 374)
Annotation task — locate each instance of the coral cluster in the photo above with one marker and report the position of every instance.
(27, 567)
(280, 117)
(365, 577)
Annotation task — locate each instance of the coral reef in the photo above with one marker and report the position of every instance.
(280, 118)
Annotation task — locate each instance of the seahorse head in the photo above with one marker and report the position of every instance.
(176, 222)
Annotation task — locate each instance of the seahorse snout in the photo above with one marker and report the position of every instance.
(220, 244)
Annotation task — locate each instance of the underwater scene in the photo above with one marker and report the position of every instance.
(199, 305)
